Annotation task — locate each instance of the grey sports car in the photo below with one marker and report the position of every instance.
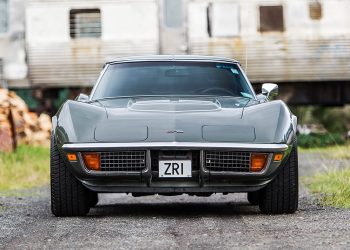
(172, 125)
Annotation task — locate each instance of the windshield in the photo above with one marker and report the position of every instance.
(173, 79)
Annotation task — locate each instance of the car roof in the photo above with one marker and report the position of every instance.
(155, 58)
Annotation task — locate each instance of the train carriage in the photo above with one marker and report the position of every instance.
(282, 41)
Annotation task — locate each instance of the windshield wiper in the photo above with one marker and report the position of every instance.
(245, 105)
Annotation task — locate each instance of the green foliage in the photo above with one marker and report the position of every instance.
(304, 114)
(320, 140)
(63, 95)
(27, 167)
(333, 187)
(334, 119)
(333, 152)
(27, 96)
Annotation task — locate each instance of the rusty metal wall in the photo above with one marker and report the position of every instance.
(77, 64)
(309, 48)
(58, 60)
(284, 60)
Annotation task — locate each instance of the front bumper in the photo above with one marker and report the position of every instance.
(202, 180)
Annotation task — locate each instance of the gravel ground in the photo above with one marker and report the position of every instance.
(180, 222)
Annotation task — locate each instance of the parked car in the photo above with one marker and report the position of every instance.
(174, 125)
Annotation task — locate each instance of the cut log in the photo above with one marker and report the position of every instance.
(6, 139)
(17, 102)
(44, 122)
(18, 125)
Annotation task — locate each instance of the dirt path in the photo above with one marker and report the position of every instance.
(156, 222)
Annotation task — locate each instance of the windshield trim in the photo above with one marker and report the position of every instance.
(169, 96)
(98, 82)
(214, 61)
(249, 83)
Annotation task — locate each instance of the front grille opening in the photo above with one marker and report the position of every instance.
(128, 161)
(231, 161)
(193, 155)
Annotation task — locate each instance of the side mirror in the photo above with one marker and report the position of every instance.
(261, 98)
(82, 98)
(270, 90)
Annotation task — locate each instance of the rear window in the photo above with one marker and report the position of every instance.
(173, 79)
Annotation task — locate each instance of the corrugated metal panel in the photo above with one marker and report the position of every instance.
(318, 51)
(78, 63)
(283, 59)
(71, 49)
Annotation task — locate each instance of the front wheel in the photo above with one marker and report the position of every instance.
(93, 199)
(281, 195)
(253, 198)
(68, 196)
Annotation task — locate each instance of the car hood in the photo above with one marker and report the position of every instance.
(172, 119)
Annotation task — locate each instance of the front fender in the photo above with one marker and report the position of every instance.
(76, 122)
(273, 122)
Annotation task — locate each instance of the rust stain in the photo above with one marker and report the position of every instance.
(237, 43)
(82, 48)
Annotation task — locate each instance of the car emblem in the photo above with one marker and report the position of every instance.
(177, 131)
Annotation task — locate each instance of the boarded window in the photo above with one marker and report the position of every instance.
(271, 18)
(223, 19)
(3, 16)
(315, 10)
(85, 23)
(173, 13)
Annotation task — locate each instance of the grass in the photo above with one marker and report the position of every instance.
(333, 187)
(341, 152)
(27, 167)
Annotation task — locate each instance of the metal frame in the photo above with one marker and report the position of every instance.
(147, 171)
(208, 181)
(165, 58)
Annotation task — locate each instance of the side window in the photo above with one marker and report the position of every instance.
(271, 18)
(223, 19)
(315, 10)
(3, 16)
(85, 23)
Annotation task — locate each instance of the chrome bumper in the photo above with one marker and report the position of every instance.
(176, 145)
(202, 180)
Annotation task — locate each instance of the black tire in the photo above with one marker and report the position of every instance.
(68, 196)
(93, 199)
(253, 198)
(280, 196)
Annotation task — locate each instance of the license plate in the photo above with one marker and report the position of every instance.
(175, 168)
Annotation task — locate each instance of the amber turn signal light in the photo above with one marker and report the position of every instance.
(92, 161)
(71, 156)
(278, 157)
(258, 162)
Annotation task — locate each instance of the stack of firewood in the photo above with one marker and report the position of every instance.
(18, 125)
